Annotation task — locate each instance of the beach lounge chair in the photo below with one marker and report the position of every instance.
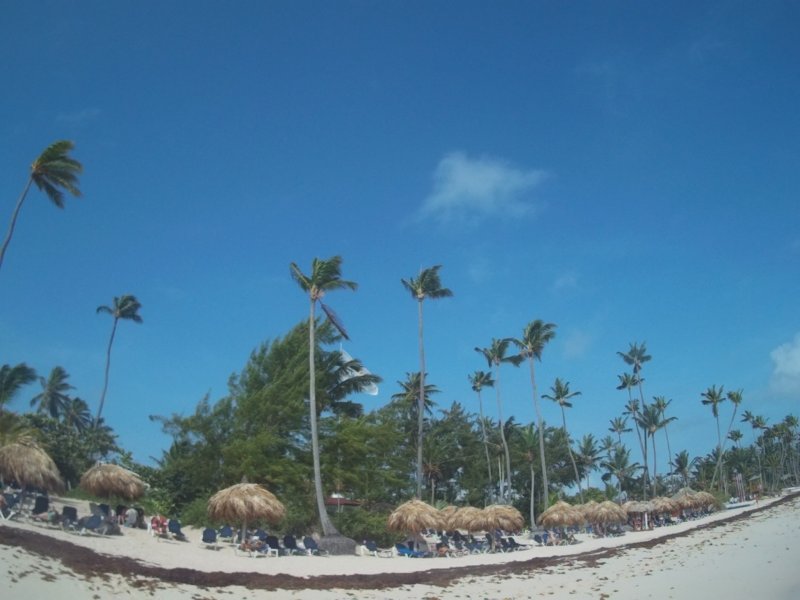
(290, 543)
(9, 507)
(225, 534)
(312, 548)
(403, 550)
(93, 524)
(210, 539)
(272, 542)
(538, 539)
(373, 549)
(174, 528)
(40, 505)
(69, 517)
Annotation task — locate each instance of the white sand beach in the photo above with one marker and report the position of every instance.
(754, 556)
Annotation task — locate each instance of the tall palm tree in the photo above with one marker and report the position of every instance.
(588, 456)
(714, 397)
(76, 414)
(326, 276)
(534, 338)
(479, 380)
(408, 397)
(53, 398)
(426, 285)
(562, 395)
(661, 403)
(528, 436)
(682, 465)
(635, 357)
(651, 420)
(53, 171)
(619, 425)
(735, 436)
(125, 307)
(12, 379)
(628, 381)
(619, 465)
(495, 355)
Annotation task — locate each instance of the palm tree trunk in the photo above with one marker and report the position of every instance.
(655, 473)
(14, 216)
(506, 492)
(669, 450)
(533, 503)
(719, 455)
(324, 520)
(571, 456)
(105, 379)
(420, 404)
(485, 439)
(540, 425)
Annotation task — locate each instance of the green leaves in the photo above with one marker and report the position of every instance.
(55, 170)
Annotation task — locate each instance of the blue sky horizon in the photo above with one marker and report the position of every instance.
(628, 171)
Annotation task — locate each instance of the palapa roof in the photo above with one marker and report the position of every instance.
(29, 465)
(413, 516)
(503, 516)
(245, 502)
(561, 514)
(469, 518)
(108, 480)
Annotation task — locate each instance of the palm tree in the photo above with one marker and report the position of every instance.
(53, 398)
(661, 403)
(534, 338)
(713, 397)
(76, 414)
(326, 276)
(636, 356)
(12, 379)
(588, 455)
(125, 307)
(528, 436)
(682, 465)
(619, 465)
(562, 396)
(409, 396)
(627, 381)
(495, 355)
(479, 380)
(619, 425)
(53, 171)
(735, 436)
(651, 420)
(427, 285)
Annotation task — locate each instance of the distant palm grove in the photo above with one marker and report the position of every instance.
(291, 421)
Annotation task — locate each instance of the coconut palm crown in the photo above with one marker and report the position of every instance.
(53, 171)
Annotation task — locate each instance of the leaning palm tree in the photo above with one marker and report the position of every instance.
(714, 397)
(53, 398)
(479, 380)
(495, 355)
(326, 276)
(53, 171)
(126, 308)
(426, 285)
(562, 395)
(661, 403)
(12, 379)
(534, 338)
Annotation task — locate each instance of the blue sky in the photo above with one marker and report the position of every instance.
(628, 171)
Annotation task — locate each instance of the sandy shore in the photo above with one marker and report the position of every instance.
(732, 554)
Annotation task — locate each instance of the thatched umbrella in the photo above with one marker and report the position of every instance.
(413, 517)
(587, 509)
(245, 502)
(685, 497)
(108, 480)
(704, 499)
(469, 518)
(637, 506)
(662, 504)
(503, 516)
(561, 514)
(608, 512)
(30, 466)
(447, 517)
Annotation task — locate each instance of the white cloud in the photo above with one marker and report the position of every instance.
(565, 282)
(786, 367)
(467, 189)
(576, 344)
(78, 117)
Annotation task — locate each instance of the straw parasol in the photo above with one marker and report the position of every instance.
(685, 497)
(587, 509)
(469, 518)
(608, 512)
(413, 516)
(30, 466)
(637, 506)
(447, 517)
(107, 480)
(245, 502)
(662, 504)
(704, 499)
(561, 514)
(503, 516)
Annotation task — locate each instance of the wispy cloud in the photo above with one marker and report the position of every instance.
(466, 190)
(565, 282)
(79, 117)
(786, 367)
(576, 344)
